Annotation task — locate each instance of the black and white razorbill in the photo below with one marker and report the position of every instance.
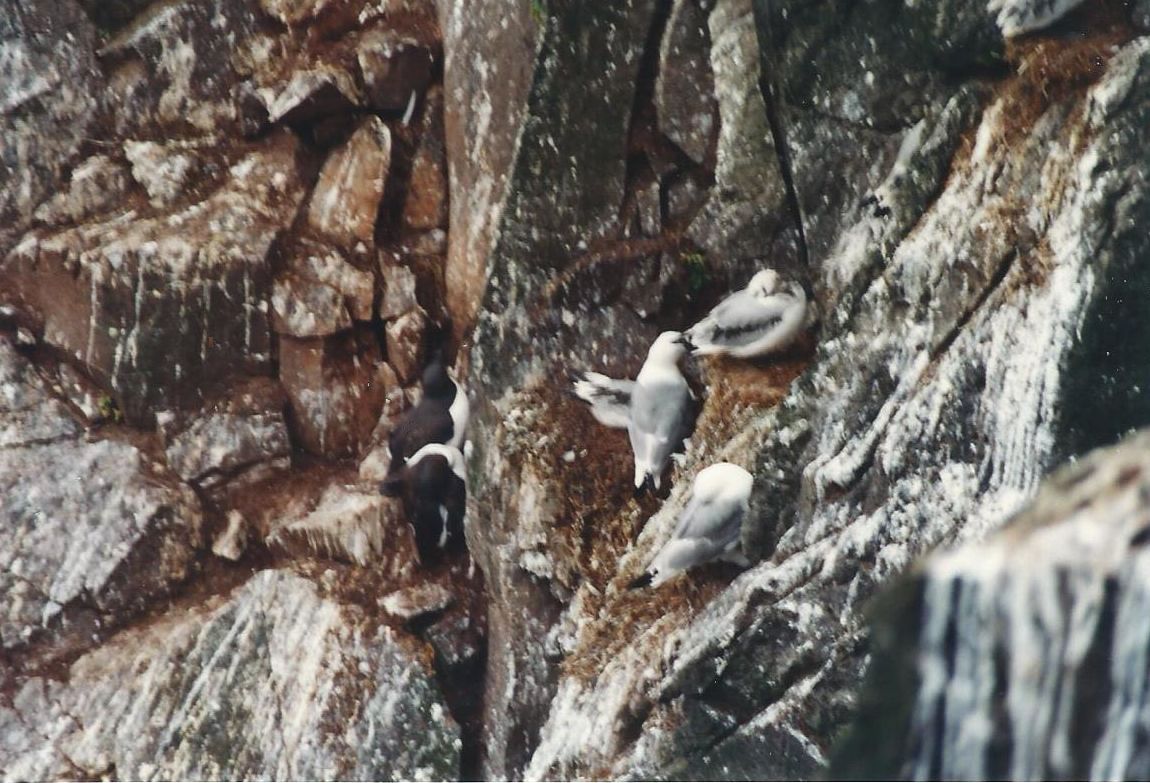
(440, 417)
(432, 485)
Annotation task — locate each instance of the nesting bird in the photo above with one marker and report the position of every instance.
(1016, 17)
(609, 399)
(762, 318)
(433, 487)
(440, 417)
(659, 415)
(709, 527)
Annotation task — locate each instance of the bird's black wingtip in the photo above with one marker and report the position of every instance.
(643, 581)
(648, 485)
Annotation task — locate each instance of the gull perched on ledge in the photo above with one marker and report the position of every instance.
(1016, 17)
(659, 417)
(710, 526)
(762, 318)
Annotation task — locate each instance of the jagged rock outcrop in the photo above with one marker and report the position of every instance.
(959, 231)
(196, 202)
(1024, 656)
(276, 680)
(93, 531)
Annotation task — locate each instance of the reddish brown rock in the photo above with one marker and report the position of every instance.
(336, 390)
(320, 293)
(160, 308)
(345, 201)
(405, 344)
(292, 12)
(313, 94)
(489, 59)
(426, 205)
(399, 292)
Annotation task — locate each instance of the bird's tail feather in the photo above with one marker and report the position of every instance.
(392, 486)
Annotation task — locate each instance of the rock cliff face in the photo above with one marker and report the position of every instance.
(232, 231)
(1023, 656)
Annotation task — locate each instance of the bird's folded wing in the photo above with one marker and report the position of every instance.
(746, 317)
(716, 521)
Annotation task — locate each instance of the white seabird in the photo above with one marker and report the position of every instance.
(1016, 17)
(659, 416)
(763, 317)
(608, 398)
(709, 527)
(433, 487)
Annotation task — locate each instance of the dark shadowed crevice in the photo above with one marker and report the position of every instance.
(1093, 685)
(768, 71)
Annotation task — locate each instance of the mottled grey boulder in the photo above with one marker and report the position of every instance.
(244, 432)
(88, 526)
(49, 88)
(684, 86)
(160, 307)
(1023, 656)
(275, 680)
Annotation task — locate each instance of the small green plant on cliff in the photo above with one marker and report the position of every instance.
(696, 266)
(538, 12)
(109, 410)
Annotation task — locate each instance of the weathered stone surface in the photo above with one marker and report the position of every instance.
(399, 287)
(745, 213)
(426, 205)
(293, 11)
(953, 352)
(231, 542)
(96, 185)
(1140, 14)
(457, 642)
(85, 524)
(395, 69)
(417, 601)
(49, 88)
(160, 307)
(336, 390)
(177, 68)
(684, 86)
(405, 344)
(163, 170)
(347, 524)
(320, 293)
(345, 201)
(428, 243)
(286, 683)
(313, 94)
(489, 60)
(973, 647)
(243, 432)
